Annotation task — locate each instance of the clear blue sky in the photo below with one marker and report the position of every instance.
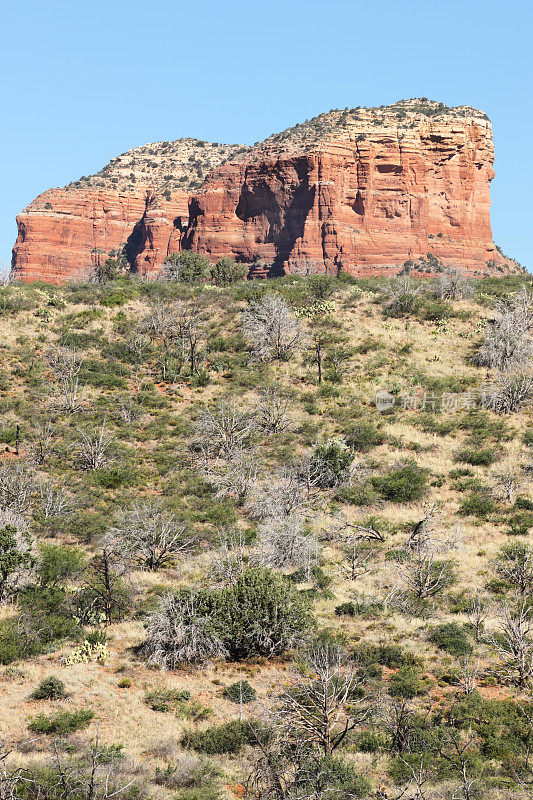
(83, 81)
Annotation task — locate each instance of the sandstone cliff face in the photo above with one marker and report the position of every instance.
(366, 196)
(137, 203)
(63, 235)
(362, 190)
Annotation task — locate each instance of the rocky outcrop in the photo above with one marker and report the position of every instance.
(64, 235)
(374, 190)
(362, 190)
(137, 204)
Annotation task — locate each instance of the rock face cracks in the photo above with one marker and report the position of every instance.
(362, 191)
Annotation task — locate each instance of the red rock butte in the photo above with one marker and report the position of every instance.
(360, 190)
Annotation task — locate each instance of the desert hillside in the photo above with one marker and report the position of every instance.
(266, 539)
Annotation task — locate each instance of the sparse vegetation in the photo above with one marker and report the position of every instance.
(222, 566)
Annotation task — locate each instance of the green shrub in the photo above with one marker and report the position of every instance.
(51, 688)
(407, 683)
(392, 656)
(165, 700)
(58, 564)
(477, 505)
(96, 637)
(528, 436)
(113, 295)
(125, 683)
(431, 423)
(18, 640)
(63, 723)
(362, 494)
(482, 426)
(229, 737)
(402, 484)
(240, 692)
(520, 524)
(200, 793)
(330, 463)
(367, 609)
(262, 615)
(227, 271)
(434, 310)
(187, 267)
(367, 742)
(15, 555)
(524, 503)
(460, 473)
(452, 638)
(477, 457)
(363, 436)
(104, 374)
(339, 778)
(8, 435)
(345, 609)
(113, 477)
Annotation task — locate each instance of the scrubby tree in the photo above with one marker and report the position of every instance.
(477, 612)
(18, 487)
(283, 768)
(186, 267)
(258, 614)
(235, 476)
(229, 560)
(400, 296)
(42, 443)
(227, 271)
(425, 574)
(321, 706)
(322, 336)
(17, 559)
(507, 345)
(279, 495)
(91, 774)
(93, 448)
(105, 595)
(467, 673)
(108, 270)
(512, 389)
(191, 332)
(452, 285)
(177, 329)
(150, 535)
(54, 501)
(336, 360)
(271, 329)
(358, 557)
(273, 409)
(514, 564)
(265, 615)
(320, 287)
(58, 564)
(512, 640)
(507, 482)
(184, 631)
(225, 429)
(285, 542)
(65, 364)
(330, 463)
